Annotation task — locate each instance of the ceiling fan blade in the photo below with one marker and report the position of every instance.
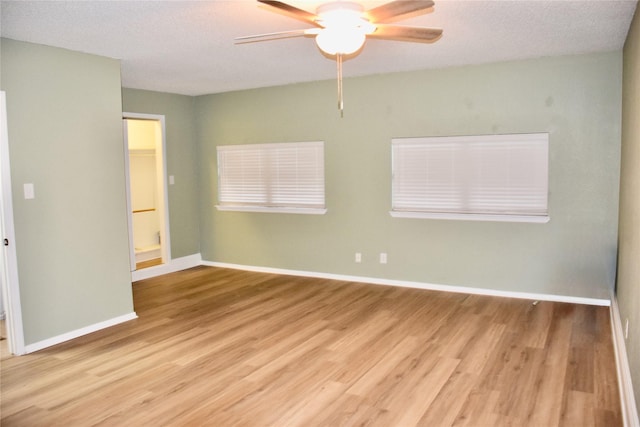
(396, 8)
(408, 34)
(293, 11)
(277, 35)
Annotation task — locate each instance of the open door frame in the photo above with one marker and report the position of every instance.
(10, 283)
(161, 166)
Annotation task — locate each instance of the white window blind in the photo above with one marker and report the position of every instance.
(501, 177)
(287, 177)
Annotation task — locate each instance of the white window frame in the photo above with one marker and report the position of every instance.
(285, 177)
(464, 177)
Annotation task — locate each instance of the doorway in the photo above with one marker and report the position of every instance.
(146, 190)
(10, 295)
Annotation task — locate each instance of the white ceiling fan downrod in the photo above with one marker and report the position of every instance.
(340, 97)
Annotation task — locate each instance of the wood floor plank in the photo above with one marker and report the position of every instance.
(579, 404)
(552, 390)
(418, 402)
(447, 405)
(343, 412)
(479, 409)
(364, 386)
(222, 347)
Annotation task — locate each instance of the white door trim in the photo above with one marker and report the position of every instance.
(127, 182)
(161, 148)
(11, 290)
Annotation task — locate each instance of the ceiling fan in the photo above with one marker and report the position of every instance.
(342, 27)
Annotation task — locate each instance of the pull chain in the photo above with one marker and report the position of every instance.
(340, 100)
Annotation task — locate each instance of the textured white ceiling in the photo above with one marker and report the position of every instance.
(188, 47)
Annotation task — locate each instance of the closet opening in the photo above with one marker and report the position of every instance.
(146, 190)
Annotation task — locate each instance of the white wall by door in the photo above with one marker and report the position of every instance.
(9, 260)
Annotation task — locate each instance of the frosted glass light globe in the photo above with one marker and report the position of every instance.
(340, 40)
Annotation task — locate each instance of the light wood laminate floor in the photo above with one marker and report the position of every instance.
(149, 263)
(219, 347)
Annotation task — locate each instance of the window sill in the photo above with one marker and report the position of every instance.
(540, 219)
(305, 211)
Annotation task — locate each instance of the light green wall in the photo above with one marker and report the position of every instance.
(628, 286)
(65, 137)
(74, 274)
(181, 162)
(576, 99)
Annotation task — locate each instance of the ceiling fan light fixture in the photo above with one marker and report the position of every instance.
(344, 28)
(341, 27)
(338, 40)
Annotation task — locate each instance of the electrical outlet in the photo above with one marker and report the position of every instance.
(383, 258)
(626, 329)
(358, 257)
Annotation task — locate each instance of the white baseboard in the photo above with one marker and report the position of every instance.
(78, 332)
(627, 397)
(170, 267)
(417, 285)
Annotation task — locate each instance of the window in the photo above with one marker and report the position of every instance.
(283, 177)
(491, 177)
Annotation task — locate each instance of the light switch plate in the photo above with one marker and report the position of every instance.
(171, 180)
(29, 192)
